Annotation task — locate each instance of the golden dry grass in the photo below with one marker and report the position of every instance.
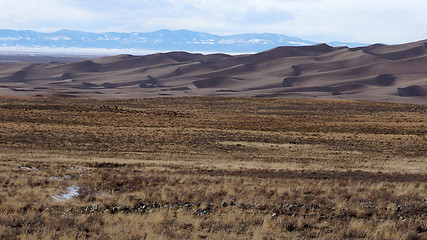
(216, 168)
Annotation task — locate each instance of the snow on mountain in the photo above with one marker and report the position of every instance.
(162, 40)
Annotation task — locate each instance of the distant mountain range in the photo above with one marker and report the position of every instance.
(162, 40)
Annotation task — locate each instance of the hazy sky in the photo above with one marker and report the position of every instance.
(367, 21)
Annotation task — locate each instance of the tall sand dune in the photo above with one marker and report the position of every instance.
(378, 72)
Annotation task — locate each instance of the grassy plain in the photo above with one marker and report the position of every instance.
(214, 168)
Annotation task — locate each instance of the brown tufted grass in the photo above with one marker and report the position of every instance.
(215, 168)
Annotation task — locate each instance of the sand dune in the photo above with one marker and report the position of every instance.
(378, 72)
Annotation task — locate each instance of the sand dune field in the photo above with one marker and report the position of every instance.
(396, 73)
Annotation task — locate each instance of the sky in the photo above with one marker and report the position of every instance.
(363, 21)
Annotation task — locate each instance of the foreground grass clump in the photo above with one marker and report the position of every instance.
(215, 168)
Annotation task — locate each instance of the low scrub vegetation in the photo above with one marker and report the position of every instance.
(211, 168)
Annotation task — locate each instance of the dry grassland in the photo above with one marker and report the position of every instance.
(214, 168)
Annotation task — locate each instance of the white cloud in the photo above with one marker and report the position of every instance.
(42, 15)
(322, 20)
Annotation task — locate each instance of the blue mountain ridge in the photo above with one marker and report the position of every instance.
(162, 40)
